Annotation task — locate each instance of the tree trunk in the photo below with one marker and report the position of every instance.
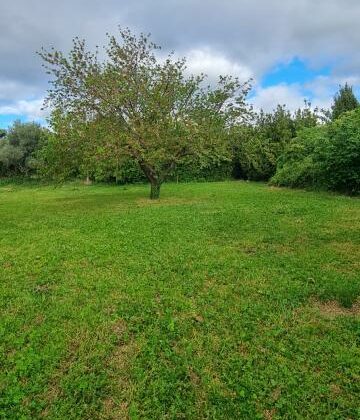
(154, 179)
(155, 190)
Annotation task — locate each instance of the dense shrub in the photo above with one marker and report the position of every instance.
(299, 165)
(258, 146)
(18, 148)
(216, 171)
(254, 155)
(342, 154)
(264, 142)
(324, 157)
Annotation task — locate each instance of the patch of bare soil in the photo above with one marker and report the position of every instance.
(269, 414)
(144, 202)
(332, 309)
(274, 188)
(116, 405)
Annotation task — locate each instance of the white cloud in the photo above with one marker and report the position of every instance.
(320, 93)
(268, 98)
(212, 63)
(31, 109)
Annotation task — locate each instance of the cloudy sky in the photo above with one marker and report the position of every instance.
(293, 49)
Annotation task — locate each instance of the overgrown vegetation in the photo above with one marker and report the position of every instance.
(324, 157)
(258, 146)
(222, 300)
(19, 147)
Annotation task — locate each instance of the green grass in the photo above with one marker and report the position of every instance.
(227, 300)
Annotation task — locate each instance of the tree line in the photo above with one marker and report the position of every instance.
(138, 116)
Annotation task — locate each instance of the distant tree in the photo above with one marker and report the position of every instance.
(2, 133)
(258, 146)
(344, 101)
(18, 149)
(151, 110)
(307, 117)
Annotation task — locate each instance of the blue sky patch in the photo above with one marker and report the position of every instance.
(295, 71)
(7, 119)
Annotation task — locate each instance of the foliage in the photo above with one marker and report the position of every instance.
(344, 101)
(342, 154)
(258, 146)
(2, 133)
(306, 117)
(324, 157)
(300, 165)
(212, 303)
(68, 154)
(213, 171)
(75, 149)
(153, 113)
(18, 149)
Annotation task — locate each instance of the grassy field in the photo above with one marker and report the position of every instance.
(228, 300)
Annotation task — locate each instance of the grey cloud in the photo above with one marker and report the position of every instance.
(253, 35)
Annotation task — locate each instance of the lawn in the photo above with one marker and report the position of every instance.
(229, 300)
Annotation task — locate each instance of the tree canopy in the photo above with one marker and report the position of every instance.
(19, 147)
(151, 109)
(344, 101)
(258, 146)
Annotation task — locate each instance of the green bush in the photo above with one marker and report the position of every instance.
(18, 148)
(342, 154)
(257, 156)
(300, 165)
(215, 171)
(128, 172)
(258, 146)
(324, 157)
